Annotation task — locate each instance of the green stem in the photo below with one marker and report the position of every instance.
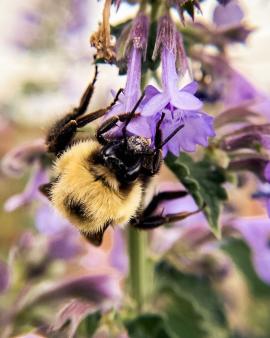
(137, 241)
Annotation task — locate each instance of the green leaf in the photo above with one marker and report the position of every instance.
(91, 323)
(181, 316)
(148, 325)
(210, 319)
(240, 253)
(203, 180)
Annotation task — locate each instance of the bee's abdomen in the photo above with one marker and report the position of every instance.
(76, 208)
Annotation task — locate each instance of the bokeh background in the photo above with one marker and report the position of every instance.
(45, 63)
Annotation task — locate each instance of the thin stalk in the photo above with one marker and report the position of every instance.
(137, 241)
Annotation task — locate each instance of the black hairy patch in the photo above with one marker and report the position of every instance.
(75, 208)
(100, 178)
(96, 237)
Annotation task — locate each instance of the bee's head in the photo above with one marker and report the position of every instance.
(125, 156)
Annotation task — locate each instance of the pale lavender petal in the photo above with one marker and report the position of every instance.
(185, 101)
(132, 89)
(228, 15)
(151, 91)
(255, 230)
(72, 315)
(117, 109)
(169, 74)
(261, 261)
(197, 128)
(94, 288)
(155, 105)
(15, 162)
(65, 245)
(191, 88)
(140, 127)
(49, 222)
(30, 193)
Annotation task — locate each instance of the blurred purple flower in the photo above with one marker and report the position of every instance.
(71, 314)
(63, 239)
(231, 87)
(256, 232)
(101, 290)
(250, 136)
(113, 261)
(228, 15)
(65, 245)
(78, 17)
(4, 277)
(31, 191)
(118, 257)
(48, 221)
(16, 161)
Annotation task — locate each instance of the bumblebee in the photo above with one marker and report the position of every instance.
(102, 181)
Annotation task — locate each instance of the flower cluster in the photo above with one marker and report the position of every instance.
(179, 106)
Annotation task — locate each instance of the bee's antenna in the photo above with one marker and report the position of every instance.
(131, 115)
(116, 98)
(168, 138)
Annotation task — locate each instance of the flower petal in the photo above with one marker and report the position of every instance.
(185, 101)
(155, 104)
(140, 127)
(191, 88)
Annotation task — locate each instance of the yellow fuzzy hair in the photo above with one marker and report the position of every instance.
(103, 203)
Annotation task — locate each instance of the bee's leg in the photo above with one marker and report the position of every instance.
(152, 222)
(163, 196)
(86, 97)
(108, 125)
(86, 119)
(62, 133)
(112, 122)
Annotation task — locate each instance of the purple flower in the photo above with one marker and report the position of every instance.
(63, 239)
(16, 161)
(48, 221)
(136, 48)
(181, 107)
(31, 191)
(71, 314)
(256, 232)
(231, 87)
(229, 15)
(249, 137)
